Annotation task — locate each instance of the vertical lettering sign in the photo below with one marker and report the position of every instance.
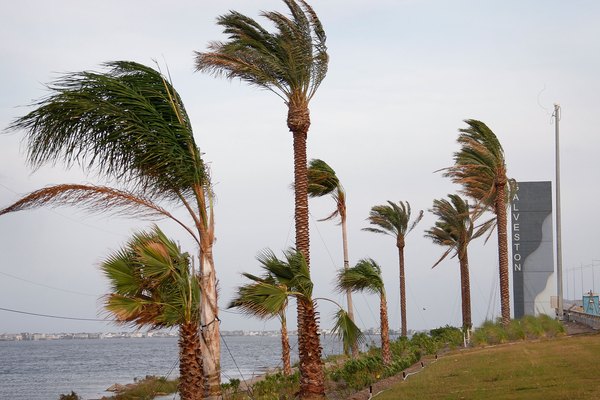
(532, 250)
(518, 296)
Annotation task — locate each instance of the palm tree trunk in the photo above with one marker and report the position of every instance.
(191, 379)
(285, 347)
(312, 379)
(500, 208)
(386, 353)
(465, 288)
(348, 292)
(211, 341)
(403, 330)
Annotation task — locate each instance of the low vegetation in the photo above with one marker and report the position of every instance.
(528, 327)
(505, 372)
(561, 368)
(146, 389)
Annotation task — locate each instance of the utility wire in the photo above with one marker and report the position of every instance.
(54, 316)
(47, 286)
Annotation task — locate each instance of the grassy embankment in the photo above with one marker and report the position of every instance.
(561, 368)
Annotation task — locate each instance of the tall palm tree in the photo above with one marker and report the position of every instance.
(265, 297)
(393, 219)
(366, 276)
(455, 229)
(323, 181)
(128, 125)
(152, 284)
(480, 167)
(292, 63)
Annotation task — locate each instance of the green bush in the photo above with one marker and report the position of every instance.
(70, 396)
(276, 387)
(528, 327)
(448, 336)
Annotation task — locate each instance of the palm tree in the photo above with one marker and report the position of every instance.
(366, 276)
(266, 298)
(323, 181)
(393, 219)
(152, 284)
(128, 125)
(292, 63)
(480, 167)
(455, 230)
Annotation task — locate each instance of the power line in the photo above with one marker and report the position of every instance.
(46, 286)
(54, 316)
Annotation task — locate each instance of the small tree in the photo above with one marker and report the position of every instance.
(366, 276)
(152, 284)
(265, 297)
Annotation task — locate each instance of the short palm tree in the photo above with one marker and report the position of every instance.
(153, 285)
(480, 168)
(129, 126)
(266, 298)
(455, 229)
(366, 276)
(323, 181)
(292, 63)
(393, 219)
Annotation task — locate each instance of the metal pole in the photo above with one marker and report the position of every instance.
(558, 224)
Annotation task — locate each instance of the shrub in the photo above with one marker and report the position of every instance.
(70, 396)
(528, 327)
(448, 336)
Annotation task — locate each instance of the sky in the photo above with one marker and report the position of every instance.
(403, 76)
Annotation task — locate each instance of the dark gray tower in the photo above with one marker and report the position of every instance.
(532, 249)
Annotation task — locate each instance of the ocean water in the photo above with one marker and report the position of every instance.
(42, 370)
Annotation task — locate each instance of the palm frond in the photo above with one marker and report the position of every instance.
(454, 228)
(479, 165)
(293, 60)
(96, 199)
(127, 123)
(346, 330)
(152, 283)
(392, 219)
(364, 276)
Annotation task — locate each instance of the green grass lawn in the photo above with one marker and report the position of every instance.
(561, 368)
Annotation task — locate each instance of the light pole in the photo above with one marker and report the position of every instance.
(558, 222)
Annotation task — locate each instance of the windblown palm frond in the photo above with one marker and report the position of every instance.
(364, 276)
(323, 181)
(346, 330)
(479, 165)
(128, 123)
(291, 62)
(263, 299)
(151, 283)
(96, 199)
(454, 227)
(392, 219)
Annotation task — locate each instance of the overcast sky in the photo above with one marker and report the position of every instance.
(403, 76)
